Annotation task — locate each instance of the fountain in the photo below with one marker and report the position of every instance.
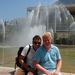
(53, 18)
(72, 32)
(72, 27)
(2, 30)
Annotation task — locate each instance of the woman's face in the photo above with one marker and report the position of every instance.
(47, 42)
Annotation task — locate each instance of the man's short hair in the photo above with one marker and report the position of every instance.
(36, 37)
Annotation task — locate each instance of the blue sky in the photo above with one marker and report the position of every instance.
(10, 9)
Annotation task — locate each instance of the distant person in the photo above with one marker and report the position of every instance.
(47, 58)
(36, 42)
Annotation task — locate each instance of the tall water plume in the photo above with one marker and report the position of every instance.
(2, 29)
(39, 19)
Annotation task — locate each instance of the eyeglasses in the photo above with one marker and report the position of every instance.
(37, 43)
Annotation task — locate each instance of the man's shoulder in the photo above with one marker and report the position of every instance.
(27, 46)
(26, 50)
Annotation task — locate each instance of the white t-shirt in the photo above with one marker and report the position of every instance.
(30, 54)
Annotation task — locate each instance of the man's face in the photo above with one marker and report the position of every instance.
(36, 43)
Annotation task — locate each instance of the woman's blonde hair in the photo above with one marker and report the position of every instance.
(47, 34)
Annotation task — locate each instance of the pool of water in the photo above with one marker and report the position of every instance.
(7, 58)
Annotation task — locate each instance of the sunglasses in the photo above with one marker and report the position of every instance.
(37, 42)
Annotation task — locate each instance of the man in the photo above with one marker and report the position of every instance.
(47, 58)
(36, 42)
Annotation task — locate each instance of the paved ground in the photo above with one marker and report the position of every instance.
(10, 71)
(6, 71)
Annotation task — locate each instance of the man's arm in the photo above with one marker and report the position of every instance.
(23, 64)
